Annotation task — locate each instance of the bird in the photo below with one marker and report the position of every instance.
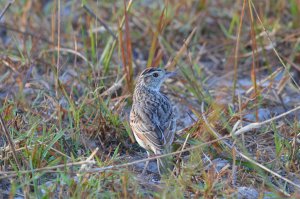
(152, 116)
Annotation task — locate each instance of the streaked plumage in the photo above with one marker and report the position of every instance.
(151, 118)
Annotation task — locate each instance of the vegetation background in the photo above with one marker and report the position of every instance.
(67, 73)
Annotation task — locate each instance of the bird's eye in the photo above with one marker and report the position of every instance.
(155, 74)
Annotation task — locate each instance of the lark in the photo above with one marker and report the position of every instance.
(152, 118)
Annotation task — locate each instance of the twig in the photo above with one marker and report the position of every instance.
(10, 174)
(84, 166)
(8, 4)
(268, 170)
(100, 20)
(10, 142)
(114, 87)
(102, 169)
(111, 167)
(256, 125)
(246, 157)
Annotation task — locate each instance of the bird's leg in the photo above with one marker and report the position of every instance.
(146, 165)
(158, 162)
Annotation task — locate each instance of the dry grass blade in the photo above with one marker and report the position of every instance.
(271, 76)
(294, 65)
(182, 148)
(58, 48)
(8, 4)
(236, 52)
(128, 65)
(122, 49)
(74, 52)
(254, 62)
(10, 141)
(100, 20)
(126, 54)
(271, 42)
(172, 63)
(159, 29)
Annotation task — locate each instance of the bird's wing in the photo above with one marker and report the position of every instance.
(167, 119)
(170, 130)
(145, 124)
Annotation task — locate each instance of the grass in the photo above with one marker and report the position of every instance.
(66, 82)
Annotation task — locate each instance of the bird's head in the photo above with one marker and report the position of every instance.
(152, 78)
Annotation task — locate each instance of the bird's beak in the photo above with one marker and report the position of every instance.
(171, 74)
